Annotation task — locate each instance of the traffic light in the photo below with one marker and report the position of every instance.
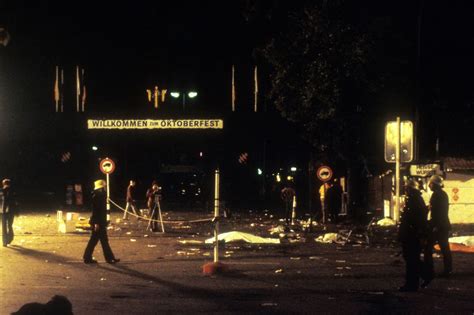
(406, 141)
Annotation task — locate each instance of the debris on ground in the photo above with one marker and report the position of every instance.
(386, 222)
(190, 242)
(327, 238)
(235, 236)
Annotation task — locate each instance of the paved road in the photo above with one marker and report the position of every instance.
(160, 274)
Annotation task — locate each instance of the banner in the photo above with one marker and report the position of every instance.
(155, 124)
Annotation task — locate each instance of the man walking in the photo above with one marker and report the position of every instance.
(98, 222)
(8, 211)
(131, 201)
(439, 227)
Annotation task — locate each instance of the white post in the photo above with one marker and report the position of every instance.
(397, 174)
(216, 217)
(108, 197)
(293, 211)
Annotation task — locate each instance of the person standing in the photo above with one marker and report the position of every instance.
(153, 196)
(287, 195)
(8, 210)
(131, 201)
(411, 233)
(334, 201)
(439, 227)
(98, 222)
(322, 197)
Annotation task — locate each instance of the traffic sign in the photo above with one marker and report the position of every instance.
(324, 173)
(107, 166)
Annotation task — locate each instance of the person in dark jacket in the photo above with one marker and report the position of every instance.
(153, 196)
(98, 222)
(8, 211)
(131, 200)
(412, 231)
(439, 227)
(287, 194)
(334, 201)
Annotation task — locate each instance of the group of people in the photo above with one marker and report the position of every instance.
(98, 220)
(417, 234)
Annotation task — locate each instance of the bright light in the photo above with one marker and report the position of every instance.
(200, 154)
(175, 94)
(289, 177)
(94, 148)
(278, 178)
(192, 94)
(259, 171)
(293, 168)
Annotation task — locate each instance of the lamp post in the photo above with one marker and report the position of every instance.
(190, 94)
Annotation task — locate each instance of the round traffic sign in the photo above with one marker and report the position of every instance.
(324, 173)
(107, 166)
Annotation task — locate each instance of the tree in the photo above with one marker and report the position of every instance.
(318, 69)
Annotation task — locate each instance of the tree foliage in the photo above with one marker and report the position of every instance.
(318, 68)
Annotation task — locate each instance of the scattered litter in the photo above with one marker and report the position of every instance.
(206, 254)
(133, 240)
(314, 257)
(146, 235)
(181, 252)
(386, 222)
(151, 245)
(235, 236)
(338, 274)
(128, 233)
(348, 268)
(340, 261)
(277, 229)
(118, 220)
(190, 242)
(269, 304)
(327, 238)
(454, 289)
(67, 277)
(276, 285)
(339, 268)
(295, 258)
(279, 271)
(46, 261)
(103, 279)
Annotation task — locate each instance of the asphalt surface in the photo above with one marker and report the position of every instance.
(162, 273)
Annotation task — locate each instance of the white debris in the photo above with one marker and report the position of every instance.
(235, 236)
(327, 238)
(386, 222)
(465, 240)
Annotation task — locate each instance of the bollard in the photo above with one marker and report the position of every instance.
(293, 211)
(215, 266)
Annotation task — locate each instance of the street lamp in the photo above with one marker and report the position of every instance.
(190, 94)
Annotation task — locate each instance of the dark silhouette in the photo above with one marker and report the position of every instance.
(439, 227)
(58, 305)
(412, 231)
(8, 209)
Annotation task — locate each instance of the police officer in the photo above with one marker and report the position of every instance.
(412, 231)
(98, 222)
(439, 227)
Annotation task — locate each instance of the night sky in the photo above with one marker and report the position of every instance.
(128, 47)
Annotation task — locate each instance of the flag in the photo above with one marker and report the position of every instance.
(233, 89)
(56, 89)
(61, 94)
(255, 89)
(163, 94)
(78, 88)
(83, 103)
(156, 96)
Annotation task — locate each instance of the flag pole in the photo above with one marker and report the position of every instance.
(56, 89)
(256, 88)
(78, 88)
(233, 88)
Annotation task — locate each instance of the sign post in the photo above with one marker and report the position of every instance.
(396, 213)
(107, 166)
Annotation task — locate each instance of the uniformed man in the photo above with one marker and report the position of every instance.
(98, 222)
(411, 233)
(439, 227)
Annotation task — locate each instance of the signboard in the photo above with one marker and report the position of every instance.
(155, 124)
(324, 173)
(406, 141)
(107, 166)
(424, 170)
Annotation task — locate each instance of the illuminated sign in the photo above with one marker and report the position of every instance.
(406, 141)
(155, 124)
